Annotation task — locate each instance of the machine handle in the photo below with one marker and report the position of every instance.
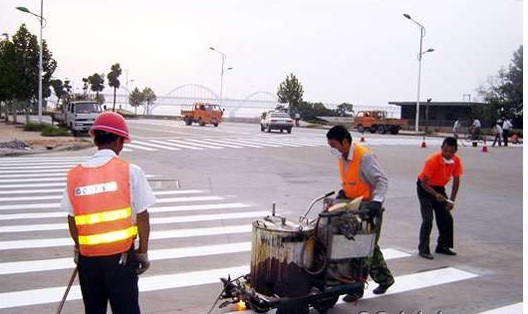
(315, 200)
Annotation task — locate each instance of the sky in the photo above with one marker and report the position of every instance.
(356, 51)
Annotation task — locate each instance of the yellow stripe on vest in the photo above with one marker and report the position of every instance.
(95, 218)
(108, 237)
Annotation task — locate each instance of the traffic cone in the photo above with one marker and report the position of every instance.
(485, 148)
(423, 143)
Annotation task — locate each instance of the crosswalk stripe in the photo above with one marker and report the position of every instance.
(196, 278)
(29, 185)
(220, 143)
(410, 282)
(177, 144)
(200, 144)
(255, 142)
(516, 308)
(129, 145)
(41, 191)
(33, 167)
(206, 143)
(31, 175)
(155, 145)
(40, 171)
(155, 235)
(153, 221)
(55, 197)
(237, 144)
(196, 207)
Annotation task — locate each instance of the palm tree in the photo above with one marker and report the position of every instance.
(113, 81)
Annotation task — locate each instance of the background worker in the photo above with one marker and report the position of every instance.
(497, 131)
(506, 126)
(436, 173)
(361, 175)
(107, 199)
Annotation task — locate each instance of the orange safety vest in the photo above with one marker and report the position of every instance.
(101, 203)
(353, 186)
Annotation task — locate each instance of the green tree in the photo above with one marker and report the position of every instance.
(8, 75)
(504, 93)
(59, 89)
(96, 82)
(113, 80)
(149, 97)
(345, 109)
(136, 99)
(291, 91)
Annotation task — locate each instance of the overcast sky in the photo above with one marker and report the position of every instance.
(356, 51)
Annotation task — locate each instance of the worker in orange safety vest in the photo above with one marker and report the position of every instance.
(361, 175)
(107, 199)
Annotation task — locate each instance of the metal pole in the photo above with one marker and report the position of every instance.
(40, 64)
(422, 34)
(222, 79)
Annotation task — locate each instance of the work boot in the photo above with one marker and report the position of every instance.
(353, 297)
(426, 255)
(445, 250)
(382, 288)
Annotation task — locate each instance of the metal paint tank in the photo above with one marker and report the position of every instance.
(280, 253)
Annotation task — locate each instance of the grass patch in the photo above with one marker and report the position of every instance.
(34, 127)
(52, 130)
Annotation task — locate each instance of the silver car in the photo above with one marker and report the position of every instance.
(276, 121)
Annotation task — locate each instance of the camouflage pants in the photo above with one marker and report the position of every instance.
(374, 266)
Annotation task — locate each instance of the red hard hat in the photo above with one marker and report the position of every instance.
(111, 122)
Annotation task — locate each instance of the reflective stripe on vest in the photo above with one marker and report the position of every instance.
(353, 186)
(100, 198)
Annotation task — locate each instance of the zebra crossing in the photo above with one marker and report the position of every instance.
(34, 240)
(258, 142)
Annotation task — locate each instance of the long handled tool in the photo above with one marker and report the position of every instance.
(61, 305)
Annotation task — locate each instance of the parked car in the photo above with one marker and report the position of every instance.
(276, 121)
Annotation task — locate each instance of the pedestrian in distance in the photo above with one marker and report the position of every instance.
(107, 199)
(456, 127)
(506, 127)
(437, 171)
(361, 175)
(497, 131)
(476, 129)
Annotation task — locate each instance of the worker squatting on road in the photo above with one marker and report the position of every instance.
(361, 175)
(107, 199)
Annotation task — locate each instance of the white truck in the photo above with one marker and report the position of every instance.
(77, 116)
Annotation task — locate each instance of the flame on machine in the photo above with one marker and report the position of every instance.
(240, 306)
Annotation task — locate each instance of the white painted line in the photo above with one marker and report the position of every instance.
(153, 221)
(62, 178)
(206, 146)
(165, 209)
(516, 308)
(67, 263)
(239, 145)
(223, 143)
(407, 283)
(140, 147)
(30, 198)
(177, 144)
(41, 171)
(197, 278)
(22, 167)
(207, 143)
(155, 145)
(34, 174)
(41, 191)
(29, 185)
(254, 142)
(156, 235)
(158, 201)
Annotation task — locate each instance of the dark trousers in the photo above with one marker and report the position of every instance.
(497, 139)
(104, 279)
(444, 219)
(505, 134)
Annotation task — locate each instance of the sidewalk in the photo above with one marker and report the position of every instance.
(15, 141)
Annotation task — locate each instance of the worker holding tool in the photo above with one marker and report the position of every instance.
(107, 200)
(436, 173)
(361, 175)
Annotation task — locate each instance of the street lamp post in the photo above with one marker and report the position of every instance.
(221, 73)
(420, 54)
(40, 70)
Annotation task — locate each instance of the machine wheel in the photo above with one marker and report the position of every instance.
(215, 124)
(373, 129)
(395, 130)
(262, 128)
(382, 129)
(323, 305)
(269, 128)
(201, 122)
(281, 130)
(289, 130)
(360, 128)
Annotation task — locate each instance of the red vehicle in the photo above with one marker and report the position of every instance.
(203, 113)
